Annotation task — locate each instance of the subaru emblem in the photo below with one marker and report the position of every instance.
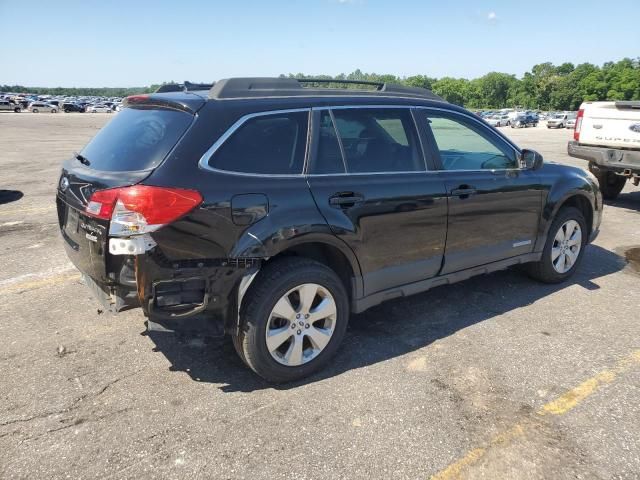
(64, 183)
(635, 127)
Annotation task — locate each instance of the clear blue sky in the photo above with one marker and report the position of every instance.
(94, 43)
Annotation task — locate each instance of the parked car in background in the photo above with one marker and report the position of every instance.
(8, 106)
(99, 109)
(499, 121)
(218, 208)
(524, 120)
(571, 120)
(37, 107)
(72, 107)
(607, 134)
(557, 120)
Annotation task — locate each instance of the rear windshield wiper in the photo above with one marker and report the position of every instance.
(81, 158)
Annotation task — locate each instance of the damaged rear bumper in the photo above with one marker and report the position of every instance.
(176, 296)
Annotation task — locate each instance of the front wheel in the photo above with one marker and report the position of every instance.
(563, 249)
(35, 110)
(293, 321)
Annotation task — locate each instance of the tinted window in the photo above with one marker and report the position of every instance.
(464, 146)
(378, 140)
(267, 144)
(328, 158)
(136, 139)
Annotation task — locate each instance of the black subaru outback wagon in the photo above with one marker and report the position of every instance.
(271, 208)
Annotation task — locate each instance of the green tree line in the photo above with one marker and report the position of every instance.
(545, 87)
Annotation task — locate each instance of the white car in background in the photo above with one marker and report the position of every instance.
(571, 120)
(499, 120)
(99, 109)
(36, 107)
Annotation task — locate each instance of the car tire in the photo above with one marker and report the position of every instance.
(53, 110)
(610, 184)
(285, 282)
(35, 110)
(17, 110)
(559, 259)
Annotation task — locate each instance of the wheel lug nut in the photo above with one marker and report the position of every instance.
(299, 332)
(298, 316)
(306, 316)
(306, 326)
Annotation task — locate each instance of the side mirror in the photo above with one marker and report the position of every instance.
(531, 160)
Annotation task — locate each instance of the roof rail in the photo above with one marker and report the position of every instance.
(183, 87)
(293, 87)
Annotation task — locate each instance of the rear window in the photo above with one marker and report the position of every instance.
(136, 139)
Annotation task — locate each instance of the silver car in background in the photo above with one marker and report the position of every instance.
(557, 120)
(498, 120)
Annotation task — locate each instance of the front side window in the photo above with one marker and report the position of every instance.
(372, 140)
(464, 146)
(270, 144)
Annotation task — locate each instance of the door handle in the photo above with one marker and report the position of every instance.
(464, 191)
(345, 199)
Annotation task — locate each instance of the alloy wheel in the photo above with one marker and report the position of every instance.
(301, 324)
(566, 246)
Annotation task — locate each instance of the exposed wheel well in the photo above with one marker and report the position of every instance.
(582, 204)
(326, 254)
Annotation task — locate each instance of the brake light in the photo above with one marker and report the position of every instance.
(578, 125)
(137, 98)
(141, 208)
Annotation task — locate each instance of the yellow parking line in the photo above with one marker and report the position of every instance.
(42, 282)
(559, 406)
(26, 210)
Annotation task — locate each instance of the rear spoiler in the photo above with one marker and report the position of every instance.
(190, 105)
(183, 87)
(628, 104)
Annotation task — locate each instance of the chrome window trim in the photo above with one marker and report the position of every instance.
(203, 163)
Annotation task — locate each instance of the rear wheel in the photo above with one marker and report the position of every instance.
(53, 110)
(610, 184)
(293, 321)
(563, 249)
(35, 110)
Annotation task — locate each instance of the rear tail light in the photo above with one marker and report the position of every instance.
(141, 209)
(578, 125)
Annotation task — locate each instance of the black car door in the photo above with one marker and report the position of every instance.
(494, 205)
(368, 177)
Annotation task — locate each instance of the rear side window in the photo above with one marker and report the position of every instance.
(270, 144)
(373, 140)
(136, 139)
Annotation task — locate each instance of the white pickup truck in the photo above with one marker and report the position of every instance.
(607, 134)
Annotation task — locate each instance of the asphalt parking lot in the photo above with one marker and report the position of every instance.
(496, 377)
